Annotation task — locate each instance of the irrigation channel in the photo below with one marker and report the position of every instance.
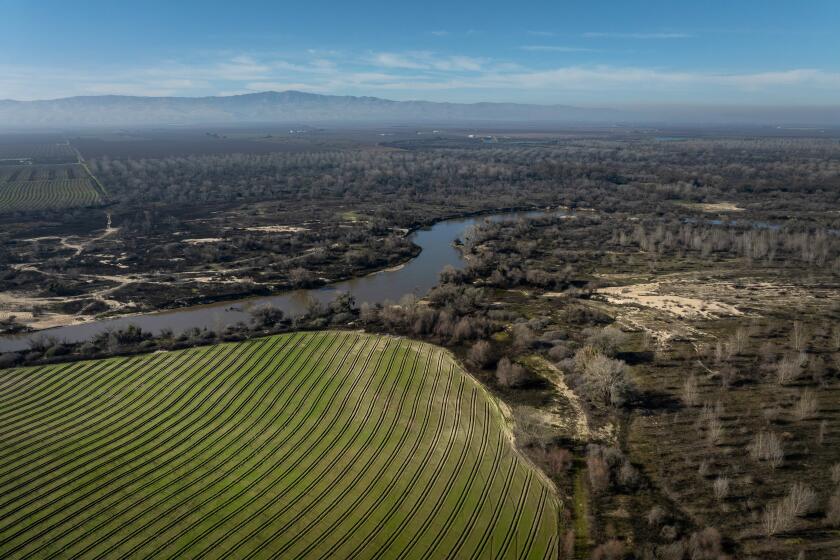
(416, 277)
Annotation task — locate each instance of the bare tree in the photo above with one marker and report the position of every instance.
(690, 395)
(610, 550)
(806, 406)
(705, 544)
(832, 511)
(739, 340)
(481, 353)
(598, 471)
(781, 516)
(799, 336)
(721, 488)
(835, 473)
(605, 379)
(607, 340)
(789, 368)
(509, 374)
(822, 431)
(655, 516)
(766, 446)
(801, 499)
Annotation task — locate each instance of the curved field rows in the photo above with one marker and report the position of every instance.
(42, 194)
(306, 445)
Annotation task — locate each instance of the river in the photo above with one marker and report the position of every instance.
(416, 277)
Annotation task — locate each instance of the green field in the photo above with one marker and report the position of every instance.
(46, 187)
(316, 445)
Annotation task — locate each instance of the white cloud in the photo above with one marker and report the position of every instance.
(392, 60)
(611, 35)
(424, 60)
(241, 68)
(554, 48)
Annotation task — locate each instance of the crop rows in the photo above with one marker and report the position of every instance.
(307, 445)
(47, 194)
(40, 173)
(39, 152)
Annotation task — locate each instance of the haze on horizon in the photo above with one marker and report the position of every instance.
(601, 54)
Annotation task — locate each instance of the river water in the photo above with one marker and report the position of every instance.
(416, 277)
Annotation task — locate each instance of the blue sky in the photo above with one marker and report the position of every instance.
(617, 53)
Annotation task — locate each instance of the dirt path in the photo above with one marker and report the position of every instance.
(566, 412)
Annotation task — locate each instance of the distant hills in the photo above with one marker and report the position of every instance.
(270, 106)
(300, 107)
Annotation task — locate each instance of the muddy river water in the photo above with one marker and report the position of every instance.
(415, 277)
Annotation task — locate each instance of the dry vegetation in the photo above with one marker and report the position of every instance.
(669, 348)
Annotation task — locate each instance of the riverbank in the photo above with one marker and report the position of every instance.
(415, 276)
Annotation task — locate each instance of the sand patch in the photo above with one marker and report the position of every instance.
(202, 240)
(650, 295)
(277, 229)
(714, 207)
(390, 269)
(555, 295)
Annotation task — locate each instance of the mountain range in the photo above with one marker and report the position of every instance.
(300, 107)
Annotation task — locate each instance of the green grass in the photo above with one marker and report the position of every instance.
(316, 445)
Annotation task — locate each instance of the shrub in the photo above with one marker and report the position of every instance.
(607, 340)
(603, 379)
(714, 430)
(9, 359)
(655, 516)
(821, 432)
(568, 551)
(775, 520)
(801, 499)
(599, 473)
(705, 544)
(523, 337)
(766, 446)
(57, 350)
(530, 429)
(738, 342)
(789, 368)
(481, 354)
(781, 516)
(832, 512)
(710, 418)
(628, 476)
(806, 406)
(799, 336)
(555, 460)
(610, 550)
(689, 391)
(509, 374)
(560, 351)
(721, 488)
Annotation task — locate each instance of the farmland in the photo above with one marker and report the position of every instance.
(665, 338)
(46, 152)
(320, 445)
(46, 187)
